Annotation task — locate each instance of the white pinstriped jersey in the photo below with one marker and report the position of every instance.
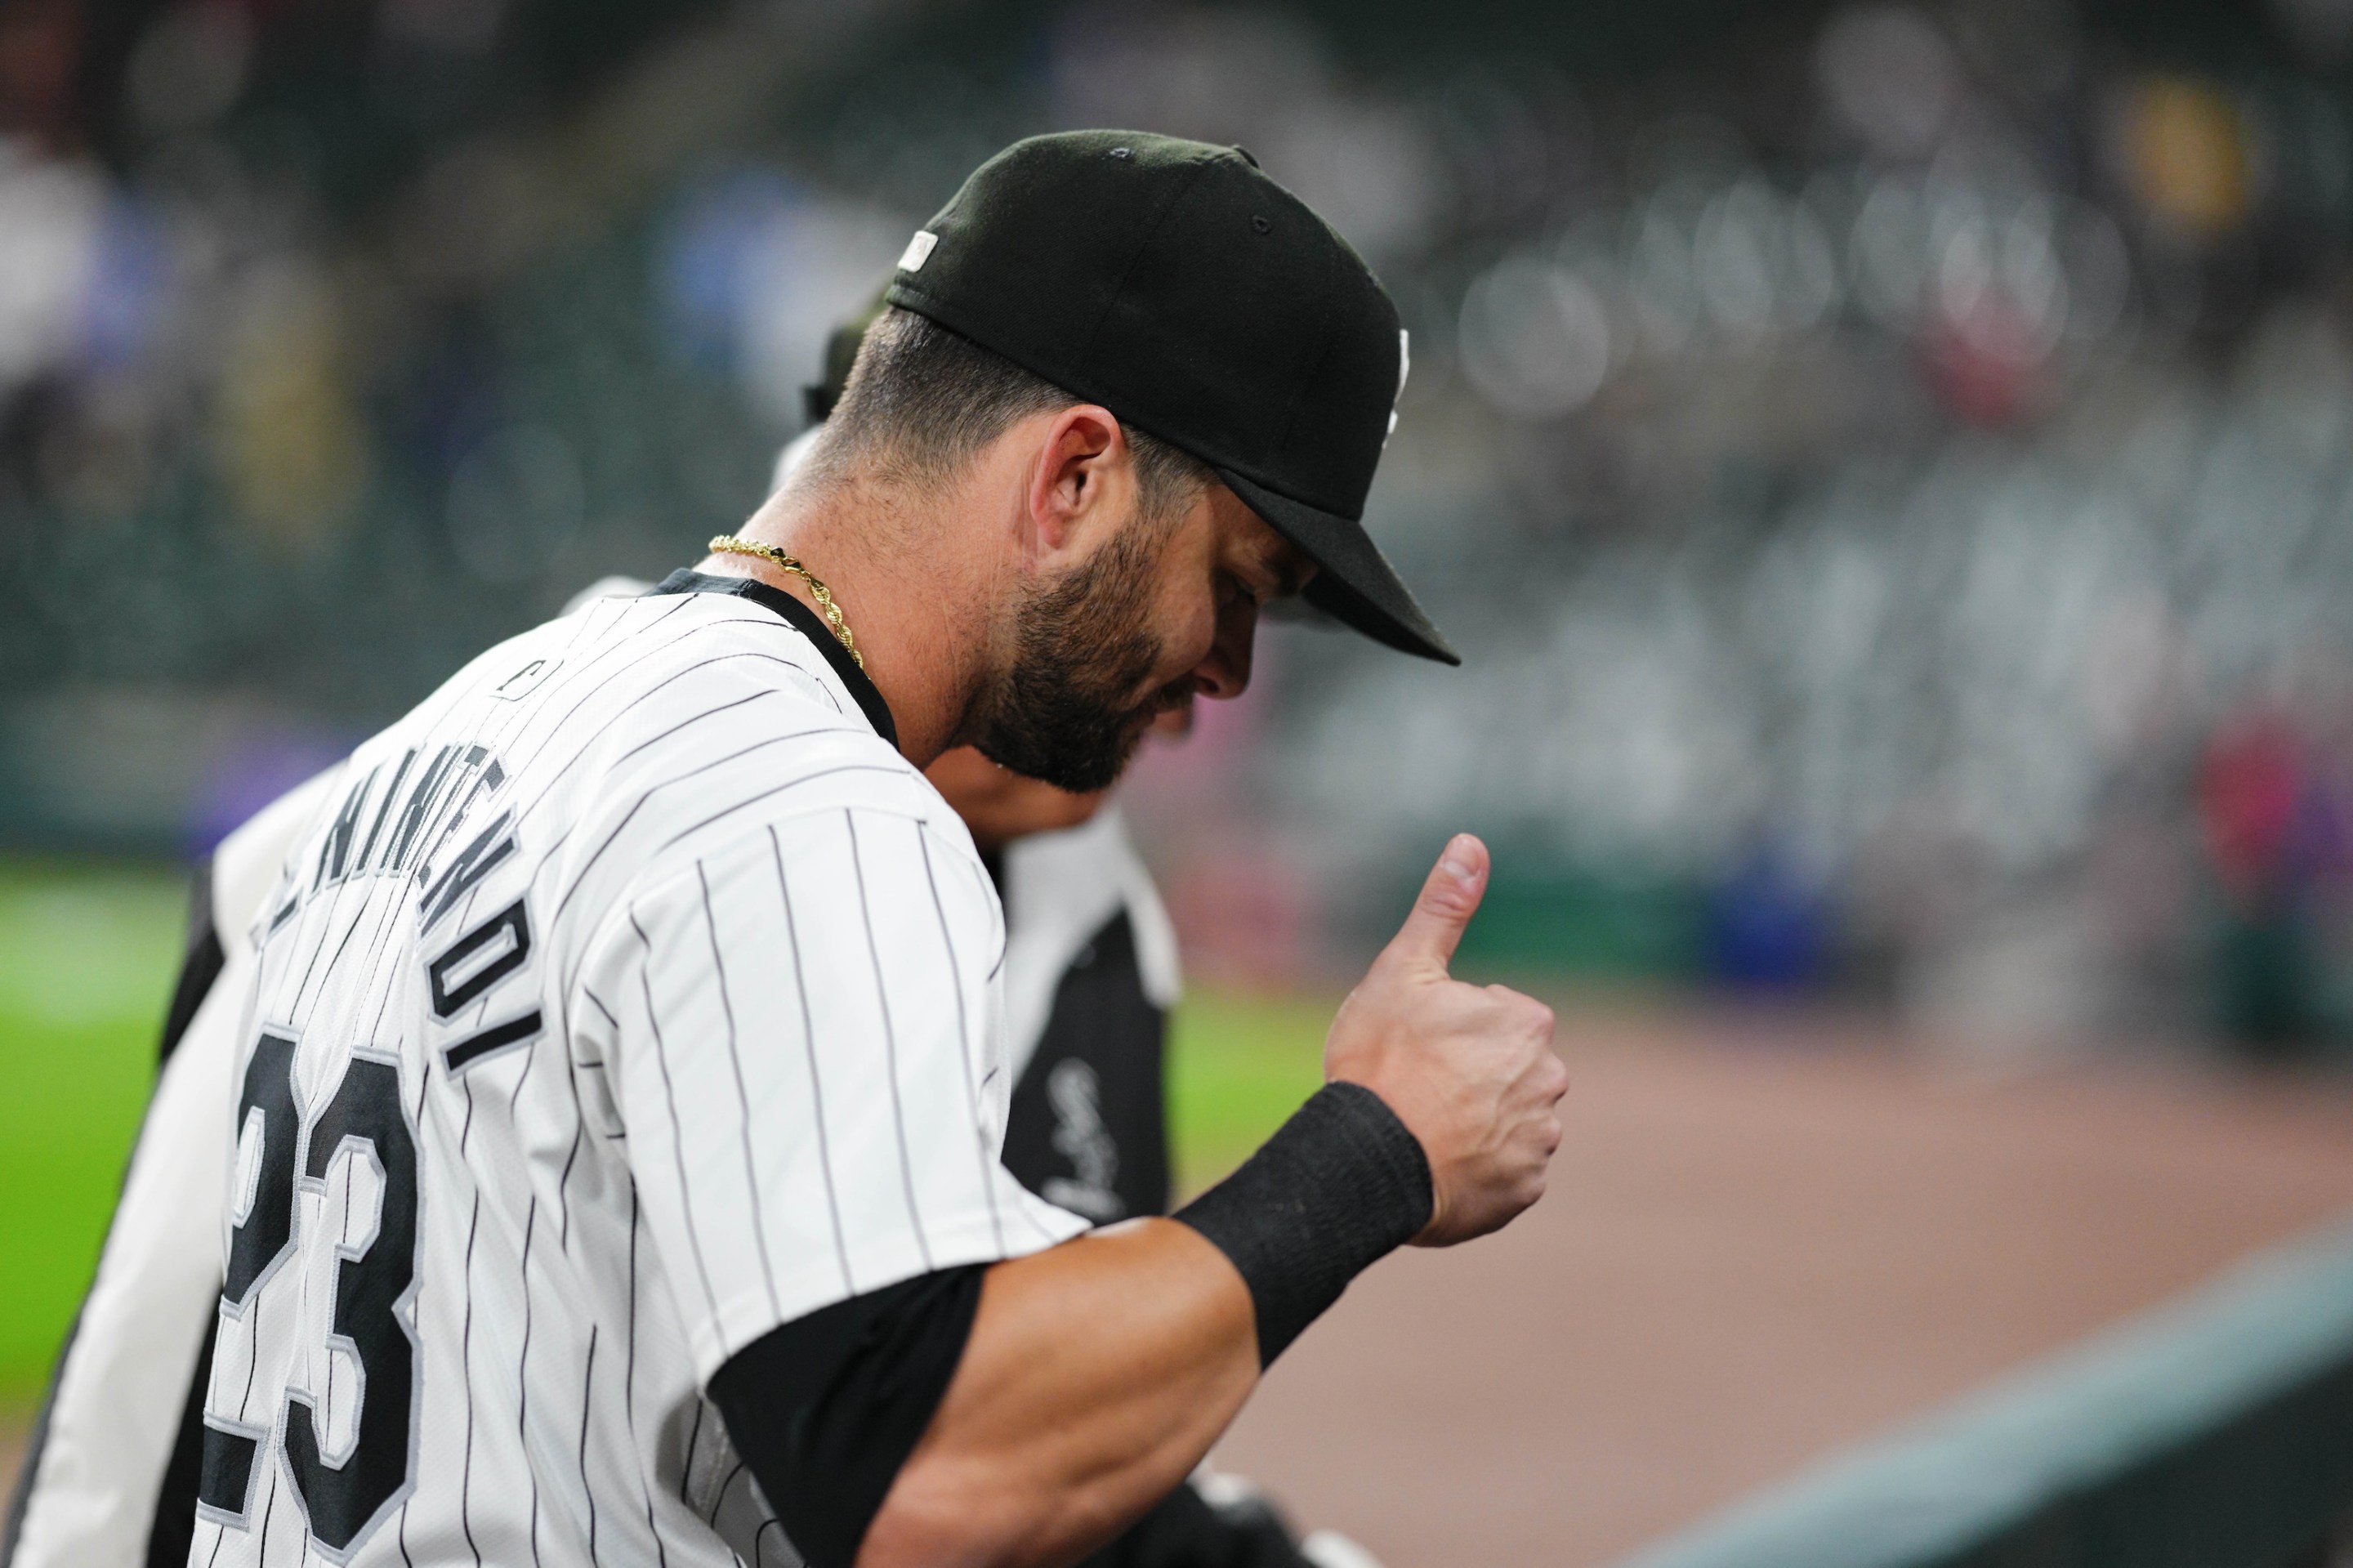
(629, 999)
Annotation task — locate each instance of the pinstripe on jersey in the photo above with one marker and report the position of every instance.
(632, 998)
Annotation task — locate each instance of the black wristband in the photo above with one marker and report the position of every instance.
(1339, 1186)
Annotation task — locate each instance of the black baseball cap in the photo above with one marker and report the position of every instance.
(1176, 284)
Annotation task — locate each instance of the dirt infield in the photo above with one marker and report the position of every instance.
(1751, 1254)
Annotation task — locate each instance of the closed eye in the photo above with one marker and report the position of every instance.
(1286, 571)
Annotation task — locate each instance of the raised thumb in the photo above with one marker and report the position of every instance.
(1449, 896)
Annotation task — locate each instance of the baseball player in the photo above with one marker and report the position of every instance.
(1091, 968)
(620, 1077)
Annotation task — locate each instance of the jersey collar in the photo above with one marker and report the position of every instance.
(804, 621)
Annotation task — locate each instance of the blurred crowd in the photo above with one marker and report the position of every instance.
(1886, 466)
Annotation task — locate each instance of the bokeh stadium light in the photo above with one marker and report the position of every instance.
(1884, 464)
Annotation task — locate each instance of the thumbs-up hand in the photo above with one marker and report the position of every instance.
(1469, 1069)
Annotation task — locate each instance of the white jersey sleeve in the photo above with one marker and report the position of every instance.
(799, 1030)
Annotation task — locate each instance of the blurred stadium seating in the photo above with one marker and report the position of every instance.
(1885, 465)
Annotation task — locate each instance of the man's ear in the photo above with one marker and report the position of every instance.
(1081, 461)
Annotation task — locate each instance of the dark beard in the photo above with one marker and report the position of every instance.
(1066, 712)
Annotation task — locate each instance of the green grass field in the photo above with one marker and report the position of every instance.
(1237, 1065)
(87, 960)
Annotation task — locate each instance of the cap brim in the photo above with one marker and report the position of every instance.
(1355, 585)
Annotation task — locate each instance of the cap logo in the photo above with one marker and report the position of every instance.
(918, 251)
(1405, 368)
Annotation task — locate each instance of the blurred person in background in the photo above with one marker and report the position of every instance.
(1090, 970)
(2273, 832)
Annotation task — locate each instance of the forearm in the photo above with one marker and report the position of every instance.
(1097, 1375)
(1026, 1413)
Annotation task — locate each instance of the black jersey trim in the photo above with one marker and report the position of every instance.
(804, 621)
(205, 960)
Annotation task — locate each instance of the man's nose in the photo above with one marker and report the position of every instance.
(1225, 671)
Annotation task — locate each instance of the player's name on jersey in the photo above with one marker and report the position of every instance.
(408, 808)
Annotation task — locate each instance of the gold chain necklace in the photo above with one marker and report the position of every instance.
(729, 544)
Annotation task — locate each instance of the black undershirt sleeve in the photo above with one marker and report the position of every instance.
(826, 1409)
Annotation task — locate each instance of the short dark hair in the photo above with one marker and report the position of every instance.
(922, 401)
